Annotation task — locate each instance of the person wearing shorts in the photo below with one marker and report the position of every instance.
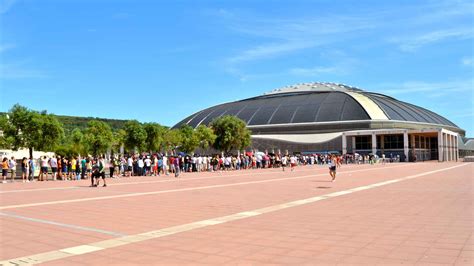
(5, 169)
(332, 168)
(100, 172)
(53, 162)
(44, 169)
(293, 162)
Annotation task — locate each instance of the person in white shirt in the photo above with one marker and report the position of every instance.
(148, 166)
(293, 162)
(44, 169)
(141, 164)
(53, 162)
(12, 166)
(129, 166)
(165, 165)
(284, 162)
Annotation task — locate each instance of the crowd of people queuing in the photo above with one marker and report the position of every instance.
(77, 168)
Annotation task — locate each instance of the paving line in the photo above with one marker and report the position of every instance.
(177, 190)
(70, 226)
(122, 241)
(215, 176)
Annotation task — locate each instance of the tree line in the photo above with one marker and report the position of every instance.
(25, 128)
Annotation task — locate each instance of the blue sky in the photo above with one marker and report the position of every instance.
(164, 60)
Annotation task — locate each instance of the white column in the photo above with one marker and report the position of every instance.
(453, 148)
(457, 148)
(353, 144)
(440, 147)
(450, 147)
(344, 143)
(405, 144)
(446, 150)
(374, 143)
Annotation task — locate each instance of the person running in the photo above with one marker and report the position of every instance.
(5, 169)
(332, 168)
(24, 170)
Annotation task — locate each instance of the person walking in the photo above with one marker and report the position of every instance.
(332, 168)
(284, 162)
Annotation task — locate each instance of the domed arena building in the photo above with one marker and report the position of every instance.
(329, 117)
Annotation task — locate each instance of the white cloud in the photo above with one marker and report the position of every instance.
(5, 47)
(283, 36)
(121, 15)
(414, 42)
(429, 89)
(6, 5)
(268, 50)
(20, 71)
(315, 71)
(467, 61)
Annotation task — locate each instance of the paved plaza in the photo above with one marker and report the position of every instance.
(410, 214)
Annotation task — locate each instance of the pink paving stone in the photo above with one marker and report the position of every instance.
(373, 226)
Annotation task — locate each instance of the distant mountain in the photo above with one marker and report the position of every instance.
(72, 122)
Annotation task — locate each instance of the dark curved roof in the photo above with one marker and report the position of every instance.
(316, 102)
(398, 110)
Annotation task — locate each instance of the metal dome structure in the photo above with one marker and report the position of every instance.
(313, 103)
(315, 116)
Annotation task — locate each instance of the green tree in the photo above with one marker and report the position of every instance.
(77, 142)
(206, 136)
(172, 139)
(5, 142)
(189, 139)
(154, 136)
(98, 137)
(135, 136)
(231, 132)
(25, 128)
(119, 140)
